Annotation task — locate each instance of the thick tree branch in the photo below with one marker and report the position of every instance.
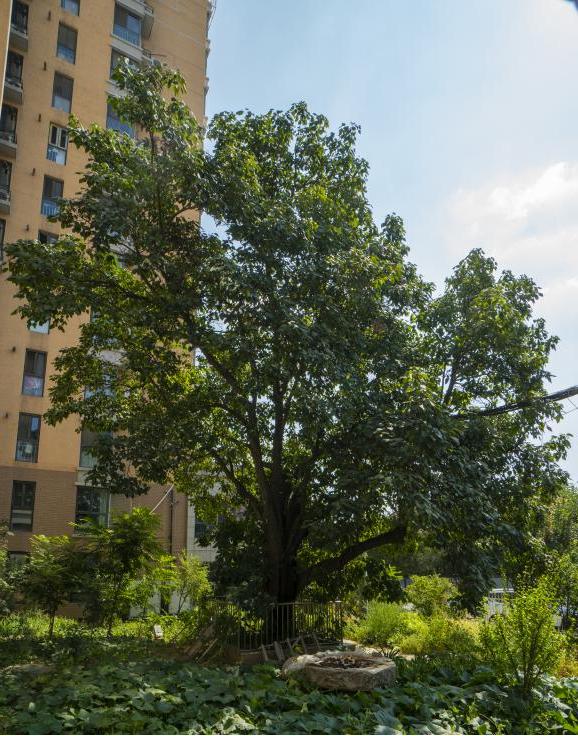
(239, 486)
(524, 404)
(453, 378)
(331, 564)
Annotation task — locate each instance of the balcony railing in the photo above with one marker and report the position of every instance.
(13, 89)
(49, 208)
(27, 451)
(8, 135)
(20, 27)
(126, 34)
(4, 193)
(14, 81)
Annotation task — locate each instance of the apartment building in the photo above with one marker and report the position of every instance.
(56, 57)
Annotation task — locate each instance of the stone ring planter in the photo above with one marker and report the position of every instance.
(350, 671)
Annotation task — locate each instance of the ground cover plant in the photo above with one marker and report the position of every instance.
(165, 697)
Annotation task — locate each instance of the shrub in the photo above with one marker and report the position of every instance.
(50, 577)
(430, 593)
(382, 625)
(117, 555)
(192, 581)
(522, 643)
(440, 634)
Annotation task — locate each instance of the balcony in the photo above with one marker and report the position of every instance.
(19, 26)
(144, 12)
(19, 36)
(126, 34)
(4, 199)
(13, 90)
(8, 143)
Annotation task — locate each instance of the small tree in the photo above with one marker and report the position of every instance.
(523, 643)
(50, 577)
(564, 576)
(192, 581)
(431, 593)
(124, 551)
(160, 579)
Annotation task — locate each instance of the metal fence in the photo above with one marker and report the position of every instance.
(278, 622)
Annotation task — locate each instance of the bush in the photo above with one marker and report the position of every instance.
(51, 575)
(430, 594)
(382, 625)
(440, 635)
(388, 625)
(522, 644)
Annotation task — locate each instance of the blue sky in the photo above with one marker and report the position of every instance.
(469, 117)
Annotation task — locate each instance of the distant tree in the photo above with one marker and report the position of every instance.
(431, 594)
(192, 581)
(156, 584)
(290, 372)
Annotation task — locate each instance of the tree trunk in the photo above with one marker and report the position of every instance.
(283, 589)
(51, 624)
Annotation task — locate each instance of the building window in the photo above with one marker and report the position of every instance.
(8, 120)
(17, 560)
(2, 231)
(117, 58)
(126, 25)
(44, 237)
(28, 438)
(22, 510)
(57, 144)
(62, 92)
(88, 441)
(66, 46)
(34, 372)
(51, 194)
(113, 122)
(41, 327)
(5, 177)
(202, 528)
(14, 64)
(91, 503)
(19, 20)
(72, 6)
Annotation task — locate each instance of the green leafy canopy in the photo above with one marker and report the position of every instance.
(287, 366)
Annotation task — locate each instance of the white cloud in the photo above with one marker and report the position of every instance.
(529, 223)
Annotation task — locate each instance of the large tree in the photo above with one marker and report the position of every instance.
(286, 367)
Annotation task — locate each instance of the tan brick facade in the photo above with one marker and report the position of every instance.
(172, 31)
